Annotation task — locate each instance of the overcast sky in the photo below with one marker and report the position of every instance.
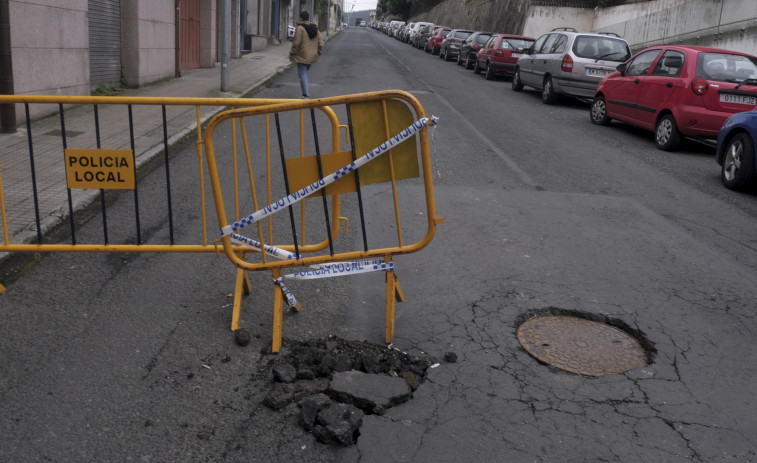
(360, 5)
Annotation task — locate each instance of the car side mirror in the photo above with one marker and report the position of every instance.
(622, 68)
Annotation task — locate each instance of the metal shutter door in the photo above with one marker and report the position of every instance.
(104, 43)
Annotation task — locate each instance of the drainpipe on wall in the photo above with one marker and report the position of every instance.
(7, 111)
(177, 39)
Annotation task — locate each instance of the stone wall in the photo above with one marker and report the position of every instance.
(506, 16)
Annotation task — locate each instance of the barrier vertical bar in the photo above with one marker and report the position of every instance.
(286, 184)
(320, 175)
(70, 201)
(168, 174)
(102, 192)
(357, 180)
(136, 184)
(392, 176)
(200, 169)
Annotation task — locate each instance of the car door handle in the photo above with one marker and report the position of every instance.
(669, 85)
(637, 81)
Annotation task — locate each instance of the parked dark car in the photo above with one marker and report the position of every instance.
(452, 42)
(499, 55)
(468, 50)
(736, 152)
(434, 42)
(678, 91)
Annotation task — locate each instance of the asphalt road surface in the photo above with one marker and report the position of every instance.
(129, 358)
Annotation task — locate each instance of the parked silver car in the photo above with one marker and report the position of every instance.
(567, 62)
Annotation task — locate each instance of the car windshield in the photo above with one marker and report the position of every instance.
(516, 44)
(607, 48)
(725, 67)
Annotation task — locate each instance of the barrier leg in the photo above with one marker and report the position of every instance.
(241, 285)
(278, 314)
(394, 294)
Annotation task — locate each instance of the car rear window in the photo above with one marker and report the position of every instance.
(446, 33)
(462, 34)
(596, 47)
(482, 38)
(515, 44)
(726, 67)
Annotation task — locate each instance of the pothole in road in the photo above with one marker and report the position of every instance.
(582, 343)
(331, 383)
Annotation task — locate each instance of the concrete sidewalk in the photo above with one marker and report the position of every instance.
(245, 75)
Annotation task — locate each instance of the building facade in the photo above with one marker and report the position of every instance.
(72, 47)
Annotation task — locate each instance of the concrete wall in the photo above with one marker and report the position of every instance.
(540, 20)
(728, 24)
(148, 41)
(50, 47)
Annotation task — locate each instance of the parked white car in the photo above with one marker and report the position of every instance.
(415, 30)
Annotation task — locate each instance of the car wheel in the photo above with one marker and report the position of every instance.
(467, 62)
(738, 163)
(489, 72)
(598, 112)
(516, 83)
(459, 59)
(548, 95)
(476, 68)
(667, 137)
(434, 50)
(425, 48)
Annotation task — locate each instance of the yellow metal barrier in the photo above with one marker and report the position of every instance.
(36, 194)
(76, 157)
(390, 122)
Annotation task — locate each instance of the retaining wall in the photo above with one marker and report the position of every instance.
(729, 24)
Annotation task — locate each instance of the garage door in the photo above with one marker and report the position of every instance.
(104, 43)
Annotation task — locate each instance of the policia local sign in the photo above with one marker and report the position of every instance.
(100, 169)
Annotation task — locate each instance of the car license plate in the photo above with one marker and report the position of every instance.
(596, 72)
(516, 55)
(738, 99)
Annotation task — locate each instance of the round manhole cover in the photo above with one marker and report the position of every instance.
(581, 346)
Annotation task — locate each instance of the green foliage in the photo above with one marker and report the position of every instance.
(106, 90)
(320, 6)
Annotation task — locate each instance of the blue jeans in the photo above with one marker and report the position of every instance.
(302, 71)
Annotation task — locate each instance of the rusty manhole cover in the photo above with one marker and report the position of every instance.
(581, 346)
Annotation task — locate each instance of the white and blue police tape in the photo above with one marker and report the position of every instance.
(272, 251)
(300, 194)
(332, 269)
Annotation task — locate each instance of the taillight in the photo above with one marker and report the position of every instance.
(700, 86)
(499, 53)
(567, 64)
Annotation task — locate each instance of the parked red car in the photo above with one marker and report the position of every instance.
(678, 91)
(434, 42)
(500, 54)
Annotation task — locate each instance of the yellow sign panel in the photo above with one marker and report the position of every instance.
(100, 169)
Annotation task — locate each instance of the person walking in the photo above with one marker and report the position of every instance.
(307, 47)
